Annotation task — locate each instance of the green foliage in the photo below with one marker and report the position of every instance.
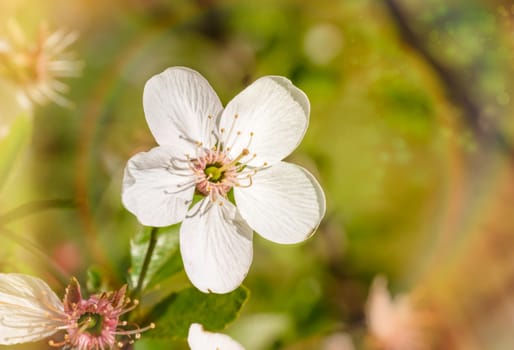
(165, 260)
(175, 314)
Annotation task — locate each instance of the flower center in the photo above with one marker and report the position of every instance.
(217, 169)
(92, 322)
(214, 173)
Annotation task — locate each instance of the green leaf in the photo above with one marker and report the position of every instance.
(165, 261)
(96, 279)
(13, 137)
(175, 314)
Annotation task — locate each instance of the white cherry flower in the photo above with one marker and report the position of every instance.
(200, 339)
(214, 151)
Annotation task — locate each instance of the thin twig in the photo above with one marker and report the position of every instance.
(34, 207)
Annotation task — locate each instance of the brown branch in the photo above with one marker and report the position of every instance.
(456, 90)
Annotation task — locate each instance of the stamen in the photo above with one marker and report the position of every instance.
(135, 303)
(250, 140)
(135, 331)
(244, 153)
(188, 139)
(182, 186)
(229, 134)
(233, 142)
(242, 165)
(210, 126)
(217, 137)
(174, 166)
(200, 210)
(250, 182)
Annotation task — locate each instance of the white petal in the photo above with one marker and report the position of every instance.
(385, 315)
(216, 246)
(271, 109)
(177, 104)
(199, 339)
(380, 311)
(157, 187)
(29, 309)
(285, 203)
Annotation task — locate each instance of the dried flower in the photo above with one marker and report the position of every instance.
(37, 67)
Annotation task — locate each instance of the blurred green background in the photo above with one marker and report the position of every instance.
(410, 135)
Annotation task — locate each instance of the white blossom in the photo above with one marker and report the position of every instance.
(214, 151)
(200, 339)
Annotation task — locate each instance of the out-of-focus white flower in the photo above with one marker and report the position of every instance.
(393, 324)
(338, 341)
(213, 152)
(37, 66)
(200, 339)
(31, 311)
(323, 42)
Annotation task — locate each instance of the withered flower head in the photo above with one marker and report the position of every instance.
(37, 66)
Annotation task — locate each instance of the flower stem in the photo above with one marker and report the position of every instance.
(146, 261)
(35, 207)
